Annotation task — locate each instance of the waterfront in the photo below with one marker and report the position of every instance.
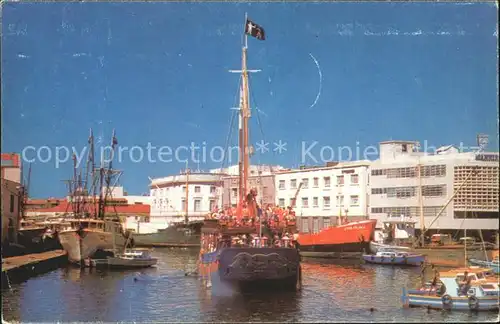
(331, 292)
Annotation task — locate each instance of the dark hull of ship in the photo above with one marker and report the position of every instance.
(174, 236)
(260, 268)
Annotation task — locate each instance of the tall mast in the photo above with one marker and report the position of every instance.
(186, 202)
(420, 202)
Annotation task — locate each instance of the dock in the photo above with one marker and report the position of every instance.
(20, 268)
(175, 245)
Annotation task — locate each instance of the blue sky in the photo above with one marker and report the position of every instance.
(158, 73)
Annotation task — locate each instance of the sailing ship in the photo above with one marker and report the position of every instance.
(181, 234)
(238, 250)
(90, 229)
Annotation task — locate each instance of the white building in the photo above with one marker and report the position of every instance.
(205, 190)
(395, 186)
(325, 193)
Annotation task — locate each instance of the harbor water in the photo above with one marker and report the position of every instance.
(332, 291)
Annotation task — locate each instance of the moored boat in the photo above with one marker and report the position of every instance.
(132, 258)
(493, 264)
(473, 294)
(378, 247)
(176, 235)
(395, 258)
(244, 251)
(351, 237)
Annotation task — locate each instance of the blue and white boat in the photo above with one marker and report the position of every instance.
(481, 294)
(395, 258)
(494, 265)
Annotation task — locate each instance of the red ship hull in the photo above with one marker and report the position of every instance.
(351, 237)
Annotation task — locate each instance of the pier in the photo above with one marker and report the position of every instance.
(19, 268)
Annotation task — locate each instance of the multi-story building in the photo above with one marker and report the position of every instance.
(321, 195)
(396, 189)
(11, 191)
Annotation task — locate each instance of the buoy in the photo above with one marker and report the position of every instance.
(135, 279)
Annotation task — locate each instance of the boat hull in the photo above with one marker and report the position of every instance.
(114, 262)
(494, 266)
(81, 245)
(174, 236)
(348, 238)
(457, 303)
(260, 268)
(411, 260)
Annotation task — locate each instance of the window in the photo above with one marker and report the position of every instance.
(293, 201)
(293, 183)
(315, 201)
(355, 200)
(340, 180)
(315, 225)
(281, 202)
(354, 179)
(197, 205)
(377, 210)
(213, 189)
(340, 201)
(405, 148)
(305, 202)
(197, 189)
(326, 221)
(213, 205)
(282, 184)
(326, 202)
(234, 192)
(183, 205)
(327, 182)
(305, 225)
(12, 203)
(305, 183)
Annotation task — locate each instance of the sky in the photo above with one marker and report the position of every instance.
(334, 74)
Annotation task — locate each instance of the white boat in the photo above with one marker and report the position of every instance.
(379, 247)
(133, 258)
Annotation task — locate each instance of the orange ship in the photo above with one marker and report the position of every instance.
(350, 237)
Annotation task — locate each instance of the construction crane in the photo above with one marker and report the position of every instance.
(294, 201)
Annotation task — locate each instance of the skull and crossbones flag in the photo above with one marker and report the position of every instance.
(255, 30)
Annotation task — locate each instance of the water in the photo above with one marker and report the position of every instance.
(331, 292)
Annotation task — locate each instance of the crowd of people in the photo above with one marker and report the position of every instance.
(274, 216)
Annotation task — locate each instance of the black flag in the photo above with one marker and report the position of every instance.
(255, 30)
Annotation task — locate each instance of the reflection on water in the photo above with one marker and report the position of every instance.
(331, 292)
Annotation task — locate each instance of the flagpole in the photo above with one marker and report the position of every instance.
(244, 29)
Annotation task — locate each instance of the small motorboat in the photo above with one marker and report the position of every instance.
(132, 258)
(494, 265)
(395, 258)
(480, 294)
(378, 247)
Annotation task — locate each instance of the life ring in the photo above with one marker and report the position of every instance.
(473, 303)
(447, 301)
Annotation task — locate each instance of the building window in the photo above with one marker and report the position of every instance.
(293, 201)
(293, 183)
(305, 225)
(327, 182)
(213, 189)
(183, 205)
(315, 182)
(234, 192)
(213, 205)
(355, 200)
(315, 201)
(197, 189)
(326, 221)
(326, 202)
(281, 202)
(315, 225)
(184, 188)
(340, 180)
(377, 210)
(354, 179)
(12, 199)
(282, 184)
(340, 201)
(305, 202)
(197, 205)
(305, 183)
